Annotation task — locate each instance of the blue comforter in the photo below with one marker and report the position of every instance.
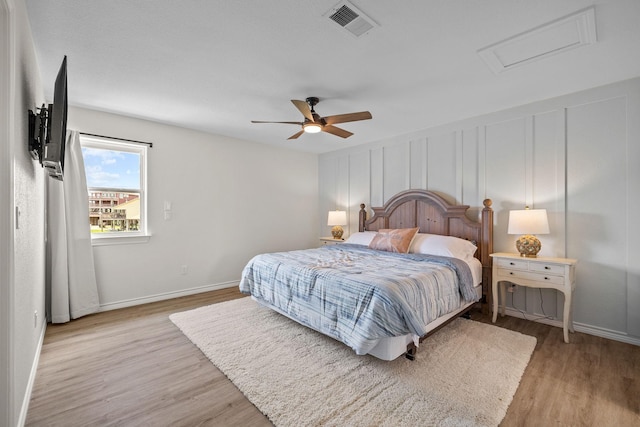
(359, 295)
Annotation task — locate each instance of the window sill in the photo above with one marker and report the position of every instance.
(120, 240)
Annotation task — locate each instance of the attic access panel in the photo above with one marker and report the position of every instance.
(562, 35)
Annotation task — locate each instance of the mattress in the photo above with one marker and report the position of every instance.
(360, 296)
(393, 347)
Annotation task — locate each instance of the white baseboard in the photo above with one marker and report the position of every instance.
(167, 295)
(22, 419)
(579, 327)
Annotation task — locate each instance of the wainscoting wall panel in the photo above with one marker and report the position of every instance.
(359, 189)
(505, 174)
(597, 189)
(442, 168)
(396, 169)
(418, 164)
(571, 155)
(472, 169)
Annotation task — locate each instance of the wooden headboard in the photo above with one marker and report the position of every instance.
(434, 215)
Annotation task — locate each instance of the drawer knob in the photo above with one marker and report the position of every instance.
(512, 263)
(546, 267)
(546, 278)
(511, 273)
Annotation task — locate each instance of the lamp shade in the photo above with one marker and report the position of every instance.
(528, 221)
(337, 218)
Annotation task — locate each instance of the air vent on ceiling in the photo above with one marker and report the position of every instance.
(570, 32)
(351, 19)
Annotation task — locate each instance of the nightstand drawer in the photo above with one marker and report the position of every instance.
(520, 264)
(505, 274)
(324, 241)
(547, 268)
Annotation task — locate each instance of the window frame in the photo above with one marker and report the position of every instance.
(114, 238)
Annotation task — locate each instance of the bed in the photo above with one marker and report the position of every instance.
(416, 264)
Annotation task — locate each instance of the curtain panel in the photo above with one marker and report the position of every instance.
(72, 290)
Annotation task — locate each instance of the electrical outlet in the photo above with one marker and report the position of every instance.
(184, 269)
(511, 288)
(35, 319)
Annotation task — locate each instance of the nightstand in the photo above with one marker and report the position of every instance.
(541, 272)
(330, 241)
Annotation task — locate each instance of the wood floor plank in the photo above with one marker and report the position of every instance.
(591, 381)
(133, 367)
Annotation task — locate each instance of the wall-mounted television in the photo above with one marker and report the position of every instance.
(48, 128)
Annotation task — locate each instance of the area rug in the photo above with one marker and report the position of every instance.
(464, 375)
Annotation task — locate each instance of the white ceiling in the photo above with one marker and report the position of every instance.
(216, 65)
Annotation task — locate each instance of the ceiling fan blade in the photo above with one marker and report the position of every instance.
(304, 108)
(296, 135)
(336, 131)
(288, 123)
(349, 117)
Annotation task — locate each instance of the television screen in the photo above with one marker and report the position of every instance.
(55, 140)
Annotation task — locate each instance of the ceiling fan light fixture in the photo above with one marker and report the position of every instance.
(314, 123)
(311, 127)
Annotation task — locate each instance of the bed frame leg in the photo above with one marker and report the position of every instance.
(466, 314)
(411, 351)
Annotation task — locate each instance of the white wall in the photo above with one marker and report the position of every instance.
(22, 180)
(231, 200)
(574, 155)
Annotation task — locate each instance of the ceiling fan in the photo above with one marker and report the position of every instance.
(313, 123)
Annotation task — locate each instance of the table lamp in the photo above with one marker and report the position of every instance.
(528, 222)
(337, 219)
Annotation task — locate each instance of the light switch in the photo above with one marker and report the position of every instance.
(167, 210)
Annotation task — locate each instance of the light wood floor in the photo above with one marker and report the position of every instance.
(133, 367)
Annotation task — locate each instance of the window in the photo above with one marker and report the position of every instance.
(116, 182)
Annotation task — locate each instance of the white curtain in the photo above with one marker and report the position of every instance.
(72, 290)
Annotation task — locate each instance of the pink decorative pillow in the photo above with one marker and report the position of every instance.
(393, 240)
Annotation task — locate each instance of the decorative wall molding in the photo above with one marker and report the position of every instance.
(533, 155)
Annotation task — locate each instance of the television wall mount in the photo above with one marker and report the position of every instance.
(38, 128)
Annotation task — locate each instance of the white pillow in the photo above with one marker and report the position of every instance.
(361, 238)
(435, 244)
